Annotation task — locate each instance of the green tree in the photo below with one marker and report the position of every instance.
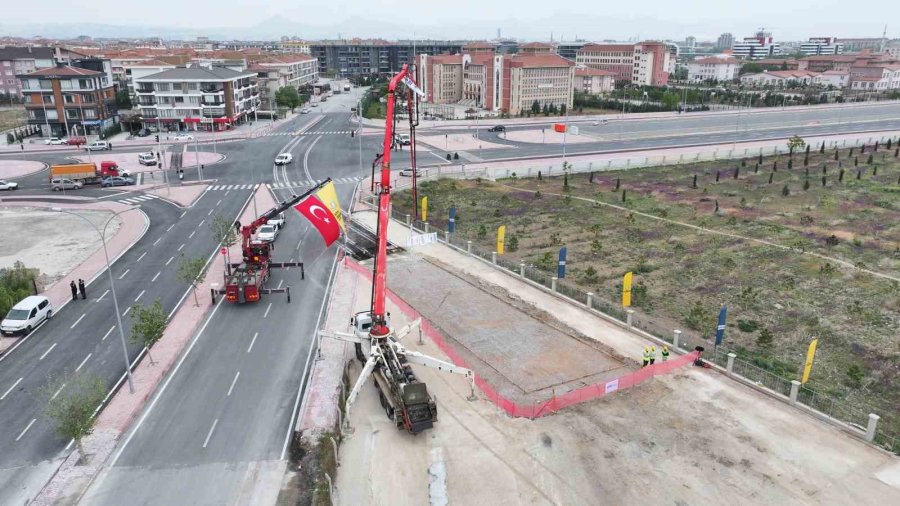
(794, 143)
(287, 96)
(123, 100)
(535, 107)
(765, 341)
(696, 316)
(15, 285)
(855, 376)
(147, 325)
(562, 110)
(546, 110)
(70, 404)
(512, 245)
(191, 271)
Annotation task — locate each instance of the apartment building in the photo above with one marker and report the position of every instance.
(875, 77)
(569, 50)
(134, 70)
(294, 46)
(197, 98)
(778, 78)
(295, 70)
(593, 81)
(17, 60)
(821, 46)
(837, 78)
(644, 63)
(65, 100)
(761, 45)
(713, 69)
(725, 41)
(374, 56)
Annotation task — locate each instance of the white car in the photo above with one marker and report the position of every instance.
(97, 146)
(26, 315)
(55, 141)
(147, 159)
(305, 110)
(8, 185)
(183, 137)
(314, 104)
(267, 233)
(409, 172)
(278, 221)
(284, 159)
(600, 122)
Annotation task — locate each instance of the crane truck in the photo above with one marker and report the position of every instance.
(245, 281)
(402, 394)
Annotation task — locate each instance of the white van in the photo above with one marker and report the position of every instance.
(26, 315)
(403, 139)
(97, 146)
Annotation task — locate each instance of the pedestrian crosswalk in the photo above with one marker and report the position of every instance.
(225, 187)
(137, 199)
(289, 184)
(333, 132)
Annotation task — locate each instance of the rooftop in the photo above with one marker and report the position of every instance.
(20, 53)
(62, 71)
(594, 48)
(538, 60)
(716, 61)
(197, 73)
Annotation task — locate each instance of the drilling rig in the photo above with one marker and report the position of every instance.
(403, 396)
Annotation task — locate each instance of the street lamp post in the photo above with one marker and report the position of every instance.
(359, 131)
(112, 284)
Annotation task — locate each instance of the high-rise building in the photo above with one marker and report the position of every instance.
(822, 45)
(363, 57)
(726, 40)
(690, 42)
(761, 45)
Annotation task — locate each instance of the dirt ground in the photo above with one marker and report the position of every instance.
(692, 437)
(53, 242)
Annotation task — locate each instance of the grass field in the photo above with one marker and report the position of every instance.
(11, 118)
(791, 258)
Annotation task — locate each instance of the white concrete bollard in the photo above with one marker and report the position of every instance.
(447, 237)
(469, 247)
(494, 257)
(553, 281)
(795, 389)
(729, 366)
(407, 220)
(676, 338)
(426, 227)
(629, 317)
(870, 429)
(522, 270)
(590, 300)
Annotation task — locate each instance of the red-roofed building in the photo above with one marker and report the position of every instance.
(594, 81)
(875, 77)
(713, 69)
(479, 47)
(535, 48)
(644, 63)
(67, 100)
(779, 78)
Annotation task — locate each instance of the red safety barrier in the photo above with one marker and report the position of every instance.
(551, 405)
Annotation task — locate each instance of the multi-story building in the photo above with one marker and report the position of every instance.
(594, 81)
(690, 41)
(140, 69)
(778, 78)
(644, 63)
(713, 69)
(761, 45)
(821, 45)
(569, 50)
(441, 77)
(294, 46)
(535, 48)
(725, 41)
(65, 100)
(15, 61)
(298, 69)
(365, 57)
(197, 98)
(871, 43)
(836, 78)
(875, 77)
(821, 63)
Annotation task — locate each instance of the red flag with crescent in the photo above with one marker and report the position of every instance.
(321, 217)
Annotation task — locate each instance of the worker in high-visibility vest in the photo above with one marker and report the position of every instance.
(646, 356)
(652, 354)
(665, 353)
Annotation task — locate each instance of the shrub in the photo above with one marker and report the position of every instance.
(482, 231)
(747, 326)
(695, 317)
(855, 376)
(765, 340)
(785, 191)
(512, 245)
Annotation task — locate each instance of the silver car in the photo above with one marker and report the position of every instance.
(58, 184)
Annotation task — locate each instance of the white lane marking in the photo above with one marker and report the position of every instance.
(211, 429)
(219, 202)
(157, 241)
(139, 295)
(104, 295)
(210, 212)
(156, 276)
(306, 159)
(236, 376)
(108, 332)
(10, 389)
(291, 261)
(192, 234)
(170, 260)
(26, 428)
(83, 362)
(252, 341)
(170, 227)
(78, 320)
(58, 390)
(181, 247)
(124, 273)
(226, 193)
(280, 281)
(48, 351)
(126, 311)
(267, 310)
(201, 222)
(299, 243)
(141, 257)
(182, 214)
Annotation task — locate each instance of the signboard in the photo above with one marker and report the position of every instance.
(223, 251)
(421, 239)
(573, 129)
(412, 85)
(612, 386)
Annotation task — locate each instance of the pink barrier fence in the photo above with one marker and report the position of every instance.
(551, 405)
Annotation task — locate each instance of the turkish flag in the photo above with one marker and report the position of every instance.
(321, 218)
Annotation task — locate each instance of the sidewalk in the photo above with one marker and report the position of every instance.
(11, 169)
(72, 480)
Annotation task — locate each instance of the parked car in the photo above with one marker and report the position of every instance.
(600, 122)
(117, 181)
(314, 104)
(497, 128)
(76, 141)
(305, 110)
(97, 146)
(278, 221)
(284, 159)
(403, 139)
(8, 185)
(62, 183)
(143, 132)
(147, 159)
(55, 141)
(26, 315)
(409, 172)
(183, 137)
(267, 233)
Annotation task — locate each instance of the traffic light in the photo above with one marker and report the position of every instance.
(157, 138)
(352, 133)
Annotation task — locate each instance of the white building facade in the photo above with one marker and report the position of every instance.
(713, 69)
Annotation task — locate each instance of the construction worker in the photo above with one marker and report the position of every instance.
(665, 353)
(646, 356)
(652, 354)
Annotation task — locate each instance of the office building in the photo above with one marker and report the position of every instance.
(821, 46)
(366, 57)
(761, 45)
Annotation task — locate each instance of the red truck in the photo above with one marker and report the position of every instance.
(87, 173)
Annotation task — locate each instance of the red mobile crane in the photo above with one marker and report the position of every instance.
(244, 282)
(405, 399)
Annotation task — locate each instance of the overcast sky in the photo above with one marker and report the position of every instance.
(525, 19)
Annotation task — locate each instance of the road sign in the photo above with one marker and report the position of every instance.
(223, 251)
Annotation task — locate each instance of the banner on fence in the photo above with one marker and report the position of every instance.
(720, 327)
(810, 355)
(421, 239)
(424, 212)
(561, 266)
(451, 223)
(501, 239)
(626, 290)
